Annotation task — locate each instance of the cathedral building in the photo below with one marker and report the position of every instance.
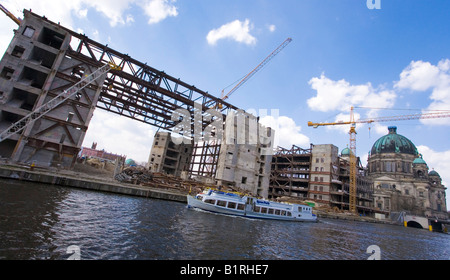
(402, 180)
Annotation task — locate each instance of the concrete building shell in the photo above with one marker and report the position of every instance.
(245, 154)
(168, 157)
(318, 174)
(36, 67)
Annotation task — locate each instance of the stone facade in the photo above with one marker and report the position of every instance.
(402, 180)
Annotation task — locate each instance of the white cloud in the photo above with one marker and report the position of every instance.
(423, 76)
(272, 28)
(418, 76)
(7, 33)
(287, 132)
(440, 162)
(236, 30)
(340, 95)
(82, 13)
(113, 10)
(120, 135)
(158, 10)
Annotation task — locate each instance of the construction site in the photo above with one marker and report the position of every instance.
(52, 79)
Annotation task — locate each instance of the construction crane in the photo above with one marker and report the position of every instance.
(254, 71)
(10, 15)
(352, 132)
(55, 102)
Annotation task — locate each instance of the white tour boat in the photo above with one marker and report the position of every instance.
(246, 206)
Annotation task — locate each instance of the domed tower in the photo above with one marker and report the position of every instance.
(438, 205)
(346, 152)
(393, 155)
(420, 168)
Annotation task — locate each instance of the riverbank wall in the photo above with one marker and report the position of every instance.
(80, 181)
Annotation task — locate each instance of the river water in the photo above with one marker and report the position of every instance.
(44, 222)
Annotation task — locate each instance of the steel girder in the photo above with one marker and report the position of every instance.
(139, 91)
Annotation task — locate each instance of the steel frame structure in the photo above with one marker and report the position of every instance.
(137, 90)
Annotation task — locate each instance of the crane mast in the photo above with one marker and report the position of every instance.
(9, 14)
(352, 132)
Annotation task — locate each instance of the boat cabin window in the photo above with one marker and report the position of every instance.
(231, 205)
(210, 201)
(277, 212)
(289, 214)
(221, 203)
(263, 210)
(256, 208)
(301, 209)
(240, 206)
(270, 211)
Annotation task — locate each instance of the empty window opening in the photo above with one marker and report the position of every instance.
(244, 180)
(33, 78)
(51, 38)
(22, 99)
(18, 51)
(10, 117)
(7, 73)
(28, 32)
(43, 57)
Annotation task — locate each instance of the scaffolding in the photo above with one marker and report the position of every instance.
(290, 172)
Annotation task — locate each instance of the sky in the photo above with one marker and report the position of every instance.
(385, 58)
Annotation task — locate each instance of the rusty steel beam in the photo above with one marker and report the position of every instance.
(139, 91)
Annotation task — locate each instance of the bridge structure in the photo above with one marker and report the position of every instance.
(45, 58)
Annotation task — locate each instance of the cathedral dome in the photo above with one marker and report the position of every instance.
(419, 160)
(346, 152)
(394, 143)
(433, 173)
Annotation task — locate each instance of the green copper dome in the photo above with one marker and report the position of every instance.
(419, 160)
(433, 173)
(394, 143)
(346, 152)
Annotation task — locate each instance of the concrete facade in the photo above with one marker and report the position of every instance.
(37, 66)
(245, 154)
(323, 164)
(168, 157)
(319, 174)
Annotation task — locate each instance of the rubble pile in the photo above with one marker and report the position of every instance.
(144, 177)
(134, 175)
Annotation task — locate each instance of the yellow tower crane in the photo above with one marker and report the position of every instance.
(9, 14)
(352, 132)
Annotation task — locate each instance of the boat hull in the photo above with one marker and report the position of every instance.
(199, 204)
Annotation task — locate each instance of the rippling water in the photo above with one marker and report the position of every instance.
(42, 221)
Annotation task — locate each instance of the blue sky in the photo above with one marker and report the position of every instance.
(343, 54)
